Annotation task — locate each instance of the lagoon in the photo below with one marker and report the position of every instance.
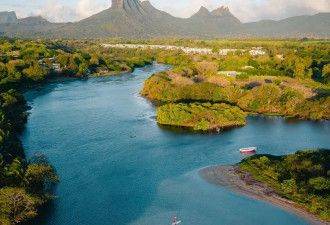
(118, 167)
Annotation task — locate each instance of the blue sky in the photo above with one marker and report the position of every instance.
(245, 10)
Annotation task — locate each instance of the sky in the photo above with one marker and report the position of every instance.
(245, 10)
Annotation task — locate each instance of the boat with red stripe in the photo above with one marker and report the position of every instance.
(248, 150)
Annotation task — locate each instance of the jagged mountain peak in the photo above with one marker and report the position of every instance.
(222, 11)
(6, 17)
(202, 12)
(126, 4)
(139, 19)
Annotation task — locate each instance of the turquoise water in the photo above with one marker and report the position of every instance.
(109, 178)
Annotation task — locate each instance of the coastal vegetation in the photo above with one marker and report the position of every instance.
(26, 184)
(303, 177)
(264, 98)
(201, 116)
(34, 61)
(291, 78)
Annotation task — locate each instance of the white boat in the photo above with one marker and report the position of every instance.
(248, 150)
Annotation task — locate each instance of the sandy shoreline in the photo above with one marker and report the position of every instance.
(244, 184)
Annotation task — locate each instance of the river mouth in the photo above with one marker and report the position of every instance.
(108, 177)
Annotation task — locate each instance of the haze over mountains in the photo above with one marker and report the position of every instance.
(135, 19)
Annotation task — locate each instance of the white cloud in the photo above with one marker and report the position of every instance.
(275, 9)
(88, 8)
(245, 10)
(56, 11)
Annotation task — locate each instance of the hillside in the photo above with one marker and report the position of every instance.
(29, 27)
(136, 19)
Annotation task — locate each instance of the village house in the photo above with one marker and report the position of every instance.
(186, 50)
(226, 51)
(13, 53)
(247, 67)
(56, 66)
(280, 57)
(229, 73)
(257, 52)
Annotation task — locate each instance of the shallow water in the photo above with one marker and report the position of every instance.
(109, 178)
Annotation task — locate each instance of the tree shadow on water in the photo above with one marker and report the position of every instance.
(191, 131)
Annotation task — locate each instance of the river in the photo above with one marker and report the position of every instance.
(111, 178)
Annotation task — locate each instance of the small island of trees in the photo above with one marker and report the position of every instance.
(201, 116)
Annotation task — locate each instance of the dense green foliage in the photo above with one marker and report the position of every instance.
(200, 116)
(270, 98)
(33, 61)
(278, 82)
(23, 186)
(267, 84)
(303, 177)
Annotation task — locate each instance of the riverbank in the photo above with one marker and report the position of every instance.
(235, 180)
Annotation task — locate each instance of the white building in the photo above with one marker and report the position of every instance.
(186, 50)
(225, 51)
(280, 57)
(229, 73)
(257, 52)
(247, 67)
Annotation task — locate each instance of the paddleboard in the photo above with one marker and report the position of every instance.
(177, 222)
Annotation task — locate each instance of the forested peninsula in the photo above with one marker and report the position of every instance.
(26, 184)
(298, 183)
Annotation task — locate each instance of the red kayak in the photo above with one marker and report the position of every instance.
(248, 150)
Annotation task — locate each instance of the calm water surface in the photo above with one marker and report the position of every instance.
(108, 178)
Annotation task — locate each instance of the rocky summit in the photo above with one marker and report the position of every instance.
(6, 17)
(136, 19)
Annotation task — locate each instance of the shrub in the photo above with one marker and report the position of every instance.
(242, 76)
(277, 82)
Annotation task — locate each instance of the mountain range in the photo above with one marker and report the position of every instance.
(136, 19)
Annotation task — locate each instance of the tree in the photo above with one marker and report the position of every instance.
(267, 94)
(326, 71)
(206, 69)
(12, 175)
(35, 72)
(48, 62)
(73, 64)
(299, 71)
(17, 206)
(310, 73)
(253, 63)
(40, 177)
(63, 60)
